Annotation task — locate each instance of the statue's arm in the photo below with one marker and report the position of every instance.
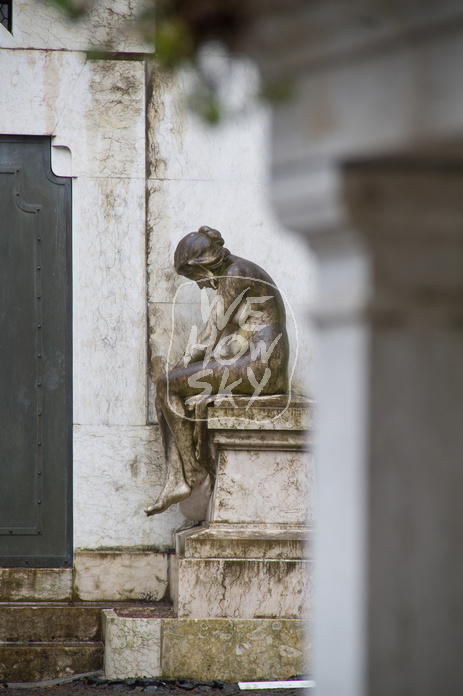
(221, 321)
(205, 341)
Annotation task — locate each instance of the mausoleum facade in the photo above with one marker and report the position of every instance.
(140, 173)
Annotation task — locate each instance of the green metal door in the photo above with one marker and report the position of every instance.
(35, 357)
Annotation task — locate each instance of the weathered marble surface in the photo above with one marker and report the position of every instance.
(109, 303)
(249, 560)
(35, 584)
(264, 474)
(117, 472)
(120, 576)
(104, 120)
(36, 88)
(184, 143)
(29, 662)
(268, 487)
(132, 646)
(244, 588)
(44, 26)
(95, 108)
(238, 650)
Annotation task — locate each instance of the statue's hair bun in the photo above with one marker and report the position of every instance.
(212, 234)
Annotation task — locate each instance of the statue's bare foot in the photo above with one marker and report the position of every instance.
(168, 497)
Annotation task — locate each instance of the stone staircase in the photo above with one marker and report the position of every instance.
(46, 640)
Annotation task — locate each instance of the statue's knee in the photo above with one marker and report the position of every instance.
(161, 386)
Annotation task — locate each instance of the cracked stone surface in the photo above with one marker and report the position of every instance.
(282, 487)
(244, 588)
(233, 650)
(110, 312)
(229, 650)
(120, 576)
(44, 26)
(108, 508)
(132, 646)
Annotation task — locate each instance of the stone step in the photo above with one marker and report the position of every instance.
(206, 649)
(103, 576)
(35, 584)
(25, 622)
(48, 640)
(30, 662)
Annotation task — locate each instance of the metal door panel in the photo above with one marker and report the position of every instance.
(35, 357)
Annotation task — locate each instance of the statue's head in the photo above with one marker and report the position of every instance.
(201, 255)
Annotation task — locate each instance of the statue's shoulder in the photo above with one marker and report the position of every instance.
(242, 268)
(243, 274)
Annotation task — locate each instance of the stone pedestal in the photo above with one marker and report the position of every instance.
(241, 581)
(251, 559)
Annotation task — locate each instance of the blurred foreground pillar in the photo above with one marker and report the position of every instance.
(389, 601)
(368, 164)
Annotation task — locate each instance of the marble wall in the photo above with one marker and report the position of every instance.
(144, 174)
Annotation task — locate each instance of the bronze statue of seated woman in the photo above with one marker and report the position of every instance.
(242, 350)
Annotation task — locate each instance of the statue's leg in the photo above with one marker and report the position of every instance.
(184, 471)
(181, 427)
(175, 487)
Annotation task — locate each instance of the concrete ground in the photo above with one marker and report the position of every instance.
(96, 685)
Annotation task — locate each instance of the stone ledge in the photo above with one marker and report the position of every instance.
(278, 413)
(205, 649)
(120, 575)
(97, 576)
(219, 541)
(260, 439)
(24, 622)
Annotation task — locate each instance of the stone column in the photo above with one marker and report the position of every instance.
(389, 605)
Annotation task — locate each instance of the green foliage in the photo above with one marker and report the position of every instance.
(278, 91)
(170, 37)
(205, 102)
(177, 30)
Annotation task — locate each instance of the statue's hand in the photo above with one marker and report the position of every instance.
(183, 362)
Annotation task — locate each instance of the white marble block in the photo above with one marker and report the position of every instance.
(255, 486)
(132, 646)
(265, 473)
(120, 576)
(243, 588)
